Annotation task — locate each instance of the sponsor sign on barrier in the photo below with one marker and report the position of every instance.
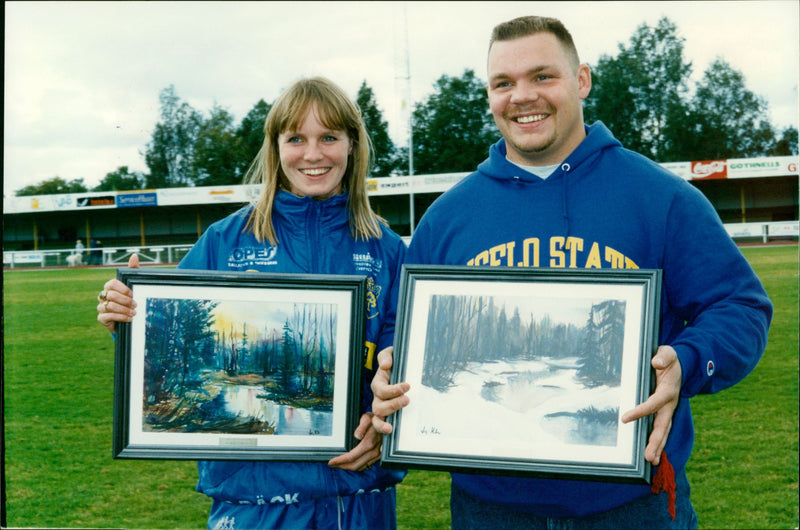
(709, 169)
(699, 170)
(131, 200)
(789, 229)
(23, 257)
(745, 229)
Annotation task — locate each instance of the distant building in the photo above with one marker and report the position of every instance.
(747, 194)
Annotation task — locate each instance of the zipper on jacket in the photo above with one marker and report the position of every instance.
(313, 233)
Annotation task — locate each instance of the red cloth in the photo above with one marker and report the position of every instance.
(664, 480)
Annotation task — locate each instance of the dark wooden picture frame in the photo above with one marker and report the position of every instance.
(224, 365)
(524, 371)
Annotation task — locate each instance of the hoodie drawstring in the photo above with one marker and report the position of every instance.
(565, 167)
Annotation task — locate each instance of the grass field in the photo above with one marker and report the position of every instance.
(58, 389)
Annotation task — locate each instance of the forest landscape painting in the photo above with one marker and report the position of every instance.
(241, 369)
(527, 375)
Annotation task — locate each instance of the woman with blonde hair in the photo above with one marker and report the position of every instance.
(312, 216)
(333, 109)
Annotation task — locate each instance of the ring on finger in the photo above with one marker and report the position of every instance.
(102, 296)
(105, 306)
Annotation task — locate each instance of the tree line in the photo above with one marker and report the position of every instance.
(644, 94)
(464, 329)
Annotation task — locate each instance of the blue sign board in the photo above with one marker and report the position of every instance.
(131, 200)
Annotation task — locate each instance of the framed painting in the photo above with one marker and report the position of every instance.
(238, 365)
(524, 371)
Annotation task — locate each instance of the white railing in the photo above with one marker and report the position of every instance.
(117, 256)
(764, 231)
(173, 253)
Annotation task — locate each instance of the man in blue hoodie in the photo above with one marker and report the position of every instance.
(557, 193)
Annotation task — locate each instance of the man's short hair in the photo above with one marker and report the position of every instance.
(529, 25)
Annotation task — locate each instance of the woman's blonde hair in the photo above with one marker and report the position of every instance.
(335, 111)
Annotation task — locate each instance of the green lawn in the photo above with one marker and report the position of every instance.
(58, 389)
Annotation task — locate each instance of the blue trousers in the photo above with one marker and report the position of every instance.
(364, 511)
(651, 512)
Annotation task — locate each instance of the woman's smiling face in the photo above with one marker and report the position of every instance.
(314, 158)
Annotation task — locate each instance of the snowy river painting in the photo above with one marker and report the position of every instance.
(555, 375)
(524, 370)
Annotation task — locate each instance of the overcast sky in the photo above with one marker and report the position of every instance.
(82, 78)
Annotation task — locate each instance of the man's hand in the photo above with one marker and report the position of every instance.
(387, 398)
(366, 453)
(662, 403)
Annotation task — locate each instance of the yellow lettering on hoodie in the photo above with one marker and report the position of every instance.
(615, 258)
(557, 256)
(593, 261)
(495, 253)
(510, 253)
(629, 264)
(480, 259)
(574, 245)
(530, 253)
(565, 252)
(503, 250)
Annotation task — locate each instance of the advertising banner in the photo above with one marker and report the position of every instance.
(709, 169)
(131, 200)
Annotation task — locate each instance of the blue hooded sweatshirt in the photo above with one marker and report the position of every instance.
(607, 207)
(313, 237)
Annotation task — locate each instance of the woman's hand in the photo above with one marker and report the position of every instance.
(366, 454)
(115, 301)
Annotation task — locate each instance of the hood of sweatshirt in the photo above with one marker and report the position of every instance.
(576, 166)
(598, 138)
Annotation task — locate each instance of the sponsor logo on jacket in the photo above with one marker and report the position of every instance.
(373, 294)
(364, 263)
(241, 257)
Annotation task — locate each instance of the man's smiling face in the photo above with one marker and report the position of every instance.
(535, 93)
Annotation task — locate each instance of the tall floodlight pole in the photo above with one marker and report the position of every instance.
(403, 87)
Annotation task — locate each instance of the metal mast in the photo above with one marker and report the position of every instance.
(403, 88)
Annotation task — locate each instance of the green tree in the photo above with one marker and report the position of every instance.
(170, 153)
(601, 345)
(643, 96)
(179, 343)
(385, 159)
(159, 346)
(251, 135)
(786, 143)
(215, 153)
(727, 119)
(196, 340)
(640, 94)
(453, 128)
(288, 364)
(121, 179)
(53, 186)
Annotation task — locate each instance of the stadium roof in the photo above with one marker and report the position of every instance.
(243, 193)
